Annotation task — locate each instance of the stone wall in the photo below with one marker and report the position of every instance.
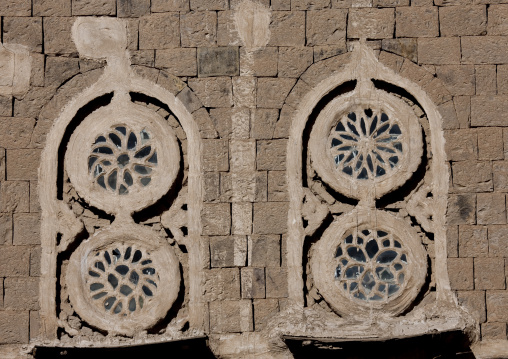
(236, 87)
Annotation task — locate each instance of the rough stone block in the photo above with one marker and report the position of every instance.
(5, 229)
(325, 52)
(272, 92)
(2, 164)
(498, 241)
(253, 283)
(470, 176)
(14, 196)
(494, 331)
(277, 186)
(461, 145)
(93, 7)
(484, 49)
(463, 20)
(490, 144)
(198, 29)
(216, 219)
(491, 208)
(228, 251)
(461, 209)
(22, 164)
(371, 23)
(57, 35)
(487, 273)
(213, 91)
(287, 28)
(14, 261)
(35, 261)
(271, 155)
(180, 62)
(310, 4)
(264, 251)
(189, 98)
(270, 217)
(473, 241)
(143, 57)
(5, 106)
(211, 183)
(222, 120)
(244, 96)
(497, 306)
(132, 8)
(200, 5)
(59, 70)
(452, 241)
(264, 310)
(14, 327)
(261, 62)
(326, 27)
(489, 110)
(276, 282)
(222, 284)
(26, 229)
(263, 123)
(15, 8)
(51, 7)
(460, 272)
(463, 109)
(502, 79)
(439, 51)
(498, 19)
(25, 31)
(458, 79)
(485, 79)
(413, 21)
(474, 302)
(293, 61)
(169, 5)
(35, 325)
(231, 316)
(16, 132)
(218, 61)
(278, 5)
(159, 31)
(21, 293)
(407, 48)
(241, 218)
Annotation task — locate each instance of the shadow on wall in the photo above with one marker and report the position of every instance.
(433, 346)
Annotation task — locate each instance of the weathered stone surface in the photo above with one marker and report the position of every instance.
(26, 229)
(16, 132)
(198, 29)
(463, 20)
(498, 241)
(5, 229)
(491, 208)
(469, 176)
(228, 251)
(15, 8)
(461, 209)
(474, 302)
(473, 241)
(179, 61)
(277, 186)
(463, 109)
(218, 61)
(293, 61)
(2, 164)
(461, 145)
(35, 206)
(51, 7)
(143, 57)
(272, 92)
(14, 196)
(22, 164)
(281, 5)
(253, 283)
(494, 331)
(270, 217)
(497, 306)
(487, 273)
(452, 241)
(159, 31)
(490, 144)
(244, 96)
(263, 123)
(326, 27)
(231, 316)
(460, 271)
(498, 20)
(439, 51)
(458, 79)
(5, 106)
(35, 325)
(209, 5)
(57, 35)
(35, 262)
(485, 79)
(132, 8)
(14, 327)
(213, 91)
(287, 28)
(211, 187)
(325, 52)
(264, 310)
(261, 62)
(489, 110)
(276, 282)
(24, 31)
(241, 218)
(222, 284)
(93, 7)
(216, 219)
(21, 293)
(421, 21)
(169, 5)
(271, 155)
(264, 250)
(371, 23)
(14, 261)
(60, 69)
(404, 47)
(484, 49)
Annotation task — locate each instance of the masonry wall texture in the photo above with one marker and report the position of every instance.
(456, 50)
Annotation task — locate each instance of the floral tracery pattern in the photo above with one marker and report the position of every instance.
(365, 144)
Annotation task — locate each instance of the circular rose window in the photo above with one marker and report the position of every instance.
(122, 158)
(123, 279)
(366, 147)
(370, 259)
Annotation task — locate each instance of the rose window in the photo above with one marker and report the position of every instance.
(121, 158)
(121, 279)
(371, 265)
(366, 144)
